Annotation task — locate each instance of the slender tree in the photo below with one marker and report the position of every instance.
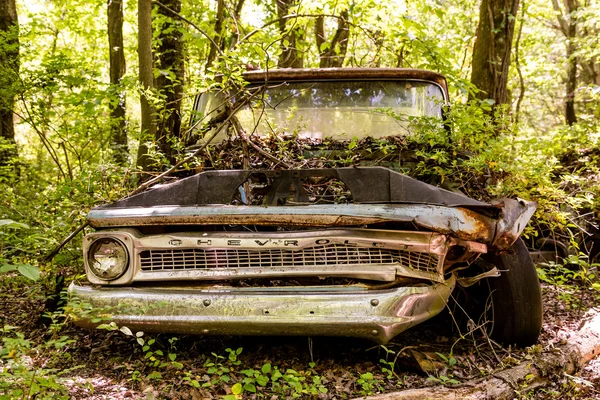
(291, 36)
(332, 52)
(491, 53)
(218, 27)
(9, 72)
(169, 81)
(236, 14)
(117, 70)
(568, 26)
(146, 77)
(227, 15)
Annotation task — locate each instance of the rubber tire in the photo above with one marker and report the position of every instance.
(516, 297)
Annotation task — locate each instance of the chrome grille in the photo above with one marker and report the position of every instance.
(326, 255)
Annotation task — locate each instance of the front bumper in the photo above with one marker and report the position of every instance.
(378, 315)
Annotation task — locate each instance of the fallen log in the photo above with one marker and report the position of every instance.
(568, 358)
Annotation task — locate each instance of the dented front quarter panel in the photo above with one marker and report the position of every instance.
(515, 216)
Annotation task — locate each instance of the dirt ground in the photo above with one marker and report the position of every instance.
(111, 365)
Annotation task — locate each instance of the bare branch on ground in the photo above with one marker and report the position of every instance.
(569, 358)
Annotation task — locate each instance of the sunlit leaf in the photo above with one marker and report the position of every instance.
(29, 271)
(7, 268)
(126, 330)
(9, 223)
(237, 388)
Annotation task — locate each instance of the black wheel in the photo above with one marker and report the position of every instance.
(515, 311)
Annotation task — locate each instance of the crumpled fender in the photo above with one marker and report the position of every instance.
(514, 217)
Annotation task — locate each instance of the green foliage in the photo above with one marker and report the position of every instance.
(36, 214)
(388, 365)
(22, 375)
(19, 378)
(443, 379)
(487, 160)
(574, 278)
(219, 373)
(368, 384)
(450, 360)
(28, 271)
(8, 232)
(62, 163)
(575, 270)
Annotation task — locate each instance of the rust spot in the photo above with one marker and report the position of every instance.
(292, 220)
(481, 228)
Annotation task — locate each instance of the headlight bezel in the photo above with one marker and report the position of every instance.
(95, 247)
(126, 240)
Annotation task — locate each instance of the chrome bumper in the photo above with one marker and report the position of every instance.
(378, 315)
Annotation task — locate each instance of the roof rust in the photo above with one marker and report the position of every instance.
(343, 74)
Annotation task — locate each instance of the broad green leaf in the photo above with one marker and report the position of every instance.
(276, 375)
(7, 268)
(266, 368)
(29, 271)
(249, 387)
(177, 365)
(126, 331)
(262, 380)
(237, 388)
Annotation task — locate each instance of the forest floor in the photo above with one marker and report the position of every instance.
(111, 365)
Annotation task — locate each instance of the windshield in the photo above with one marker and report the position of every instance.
(340, 110)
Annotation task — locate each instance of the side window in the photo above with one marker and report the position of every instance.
(206, 106)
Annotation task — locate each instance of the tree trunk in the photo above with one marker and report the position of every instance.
(571, 84)
(117, 70)
(570, 116)
(332, 53)
(212, 54)
(148, 126)
(290, 56)
(9, 74)
(583, 346)
(169, 82)
(591, 72)
(568, 26)
(491, 53)
(237, 12)
(518, 68)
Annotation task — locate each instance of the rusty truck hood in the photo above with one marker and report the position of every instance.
(378, 195)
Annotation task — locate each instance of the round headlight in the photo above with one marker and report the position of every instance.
(108, 258)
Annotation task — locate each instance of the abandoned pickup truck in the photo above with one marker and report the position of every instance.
(259, 252)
